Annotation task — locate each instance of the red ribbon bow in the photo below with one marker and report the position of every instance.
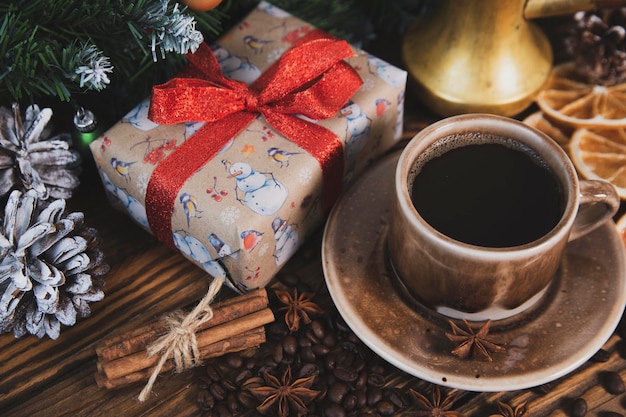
(310, 79)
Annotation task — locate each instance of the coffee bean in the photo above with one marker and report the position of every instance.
(613, 382)
(214, 373)
(242, 376)
(204, 381)
(376, 380)
(331, 360)
(247, 399)
(205, 400)
(228, 384)
(344, 359)
(278, 353)
(304, 342)
(254, 382)
(361, 397)
(311, 336)
(334, 410)
(347, 375)
(337, 391)
(385, 408)
(251, 362)
(308, 355)
(342, 327)
(349, 402)
(330, 340)
(232, 402)
(378, 369)
(396, 398)
(318, 329)
(362, 379)
(290, 345)
(374, 395)
(277, 329)
(308, 369)
(234, 360)
(268, 366)
(579, 407)
(320, 350)
(217, 391)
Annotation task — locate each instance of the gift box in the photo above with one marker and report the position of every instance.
(238, 159)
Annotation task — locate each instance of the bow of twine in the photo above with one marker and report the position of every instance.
(180, 342)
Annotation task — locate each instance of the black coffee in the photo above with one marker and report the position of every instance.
(487, 194)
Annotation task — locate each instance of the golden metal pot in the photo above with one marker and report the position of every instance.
(471, 56)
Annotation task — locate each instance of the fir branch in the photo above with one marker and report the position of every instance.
(92, 67)
(72, 46)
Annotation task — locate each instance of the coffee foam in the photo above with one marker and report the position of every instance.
(448, 143)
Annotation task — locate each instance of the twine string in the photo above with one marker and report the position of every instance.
(180, 343)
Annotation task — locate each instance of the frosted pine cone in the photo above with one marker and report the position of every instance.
(597, 44)
(31, 161)
(50, 267)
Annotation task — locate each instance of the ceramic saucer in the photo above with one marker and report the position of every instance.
(573, 320)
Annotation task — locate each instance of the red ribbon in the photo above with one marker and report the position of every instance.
(310, 79)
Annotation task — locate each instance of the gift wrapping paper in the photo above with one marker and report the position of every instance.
(250, 206)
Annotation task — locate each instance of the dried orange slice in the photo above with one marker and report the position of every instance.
(601, 154)
(570, 99)
(539, 121)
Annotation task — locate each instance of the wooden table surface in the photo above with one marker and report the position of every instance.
(57, 377)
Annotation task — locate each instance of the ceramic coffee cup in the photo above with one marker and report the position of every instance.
(484, 206)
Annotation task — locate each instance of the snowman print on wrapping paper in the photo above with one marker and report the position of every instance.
(286, 237)
(138, 117)
(357, 129)
(194, 250)
(394, 77)
(259, 191)
(273, 10)
(386, 72)
(236, 68)
(119, 196)
(221, 248)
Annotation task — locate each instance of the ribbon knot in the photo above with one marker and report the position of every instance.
(310, 79)
(251, 102)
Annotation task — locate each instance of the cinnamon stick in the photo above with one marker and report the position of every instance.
(138, 339)
(250, 339)
(135, 362)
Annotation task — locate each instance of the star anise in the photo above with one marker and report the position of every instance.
(470, 342)
(435, 406)
(521, 410)
(298, 307)
(287, 397)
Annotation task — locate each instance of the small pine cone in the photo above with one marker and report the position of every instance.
(50, 266)
(29, 160)
(597, 44)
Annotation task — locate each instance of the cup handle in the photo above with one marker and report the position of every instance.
(598, 202)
